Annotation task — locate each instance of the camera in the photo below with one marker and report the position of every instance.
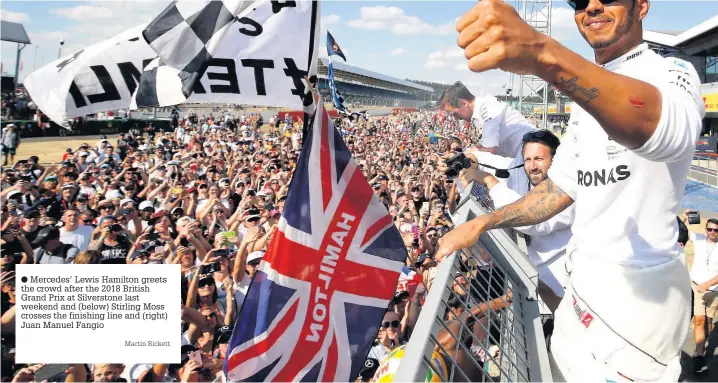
(694, 217)
(456, 164)
(116, 228)
(209, 269)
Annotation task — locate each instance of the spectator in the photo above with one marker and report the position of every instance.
(704, 278)
(74, 233)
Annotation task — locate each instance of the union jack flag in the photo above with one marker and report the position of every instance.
(316, 302)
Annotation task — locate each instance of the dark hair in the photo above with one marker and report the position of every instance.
(454, 93)
(541, 136)
(713, 221)
(682, 232)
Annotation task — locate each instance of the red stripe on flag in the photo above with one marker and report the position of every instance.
(376, 228)
(264, 345)
(330, 366)
(325, 158)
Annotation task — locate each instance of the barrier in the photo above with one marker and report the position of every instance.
(704, 168)
(29, 128)
(481, 317)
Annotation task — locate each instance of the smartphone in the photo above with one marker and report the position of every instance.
(159, 249)
(425, 206)
(231, 237)
(211, 268)
(50, 371)
(196, 356)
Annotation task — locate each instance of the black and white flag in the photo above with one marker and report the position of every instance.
(263, 60)
(273, 42)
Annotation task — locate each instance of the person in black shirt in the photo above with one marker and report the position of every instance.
(32, 224)
(112, 243)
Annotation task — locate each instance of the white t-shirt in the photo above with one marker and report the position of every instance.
(501, 125)
(705, 259)
(627, 199)
(549, 240)
(79, 238)
(240, 291)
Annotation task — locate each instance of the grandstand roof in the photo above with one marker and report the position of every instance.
(699, 40)
(13, 32)
(339, 66)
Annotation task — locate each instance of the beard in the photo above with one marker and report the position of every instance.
(621, 30)
(536, 178)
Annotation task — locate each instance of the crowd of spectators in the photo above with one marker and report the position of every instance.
(208, 196)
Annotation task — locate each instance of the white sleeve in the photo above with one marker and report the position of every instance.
(563, 170)
(490, 113)
(502, 196)
(682, 114)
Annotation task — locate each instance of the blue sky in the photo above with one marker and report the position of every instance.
(404, 39)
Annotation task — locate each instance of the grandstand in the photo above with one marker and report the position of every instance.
(361, 87)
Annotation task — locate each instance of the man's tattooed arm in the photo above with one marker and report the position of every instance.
(538, 205)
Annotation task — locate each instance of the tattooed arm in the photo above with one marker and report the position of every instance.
(628, 109)
(538, 205)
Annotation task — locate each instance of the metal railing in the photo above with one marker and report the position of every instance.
(480, 321)
(704, 168)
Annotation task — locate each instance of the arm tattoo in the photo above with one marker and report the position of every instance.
(570, 86)
(538, 205)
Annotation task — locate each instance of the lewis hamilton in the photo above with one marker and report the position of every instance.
(623, 163)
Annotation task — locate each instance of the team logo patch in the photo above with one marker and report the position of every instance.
(583, 315)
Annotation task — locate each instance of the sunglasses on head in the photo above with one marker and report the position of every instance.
(394, 324)
(580, 5)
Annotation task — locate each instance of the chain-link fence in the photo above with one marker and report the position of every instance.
(480, 321)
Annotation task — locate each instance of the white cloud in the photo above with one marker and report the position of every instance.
(85, 12)
(435, 64)
(394, 19)
(15, 17)
(461, 67)
(442, 58)
(399, 51)
(331, 19)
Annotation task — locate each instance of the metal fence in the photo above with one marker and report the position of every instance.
(480, 321)
(704, 168)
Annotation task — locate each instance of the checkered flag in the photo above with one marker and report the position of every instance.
(185, 36)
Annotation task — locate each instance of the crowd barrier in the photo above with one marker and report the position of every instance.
(507, 341)
(30, 129)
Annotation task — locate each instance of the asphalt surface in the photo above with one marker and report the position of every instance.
(711, 375)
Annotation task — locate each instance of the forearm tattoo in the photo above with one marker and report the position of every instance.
(541, 203)
(571, 87)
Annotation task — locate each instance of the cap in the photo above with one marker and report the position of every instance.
(224, 182)
(255, 255)
(105, 218)
(112, 194)
(51, 178)
(69, 186)
(261, 193)
(253, 214)
(126, 200)
(46, 234)
(421, 258)
(139, 253)
(82, 197)
(275, 212)
(105, 202)
(146, 204)
(369, 368)
(177, 210)
(222, 335)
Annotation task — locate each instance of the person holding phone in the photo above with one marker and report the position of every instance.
(113, 242)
